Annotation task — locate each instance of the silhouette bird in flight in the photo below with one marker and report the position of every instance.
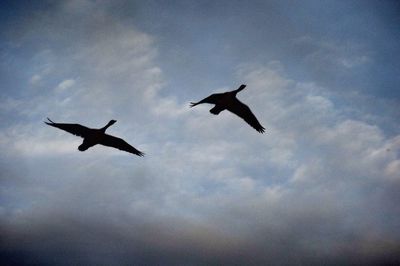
(93, 136)
(228, 101)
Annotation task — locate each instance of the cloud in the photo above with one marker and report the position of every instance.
(64, 85)
(318, 187)
(329, 52)
(215, 196)
(35, 79)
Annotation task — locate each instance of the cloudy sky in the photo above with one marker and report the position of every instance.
(322, 186)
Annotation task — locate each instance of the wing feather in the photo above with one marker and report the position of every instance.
(120, 144)
(244, 112)
(75, 129)
(212, 99)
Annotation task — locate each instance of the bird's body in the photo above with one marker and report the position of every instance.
(228, 101)
(94, 136)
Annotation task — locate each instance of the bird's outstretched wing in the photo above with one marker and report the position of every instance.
(243, 111)
(213, 99)
(76, 129)
(120, 144)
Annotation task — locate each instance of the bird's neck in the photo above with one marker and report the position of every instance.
(238, 90)
(106, 126)
(235, 93)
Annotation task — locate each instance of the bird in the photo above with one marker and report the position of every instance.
(228, 101)
(94, 136)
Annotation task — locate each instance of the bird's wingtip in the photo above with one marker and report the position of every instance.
(261, 130)
(47, 123)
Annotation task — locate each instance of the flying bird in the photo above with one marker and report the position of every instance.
(93, 136)
(228, 101)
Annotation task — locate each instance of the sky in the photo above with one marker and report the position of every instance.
(320, 187)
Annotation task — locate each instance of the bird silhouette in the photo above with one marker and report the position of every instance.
(93, 136)
(228, 101)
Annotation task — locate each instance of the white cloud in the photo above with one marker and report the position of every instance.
(64, 85)
(35, 79)
(34, 140)
(392, 170)
(325, 53)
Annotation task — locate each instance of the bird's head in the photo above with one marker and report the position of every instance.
(112, 122)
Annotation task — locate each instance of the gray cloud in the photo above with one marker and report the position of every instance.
(319, 188)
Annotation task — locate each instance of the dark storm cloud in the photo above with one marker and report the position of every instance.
(63, 239)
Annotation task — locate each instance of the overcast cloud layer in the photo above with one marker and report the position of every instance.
(322, 186)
